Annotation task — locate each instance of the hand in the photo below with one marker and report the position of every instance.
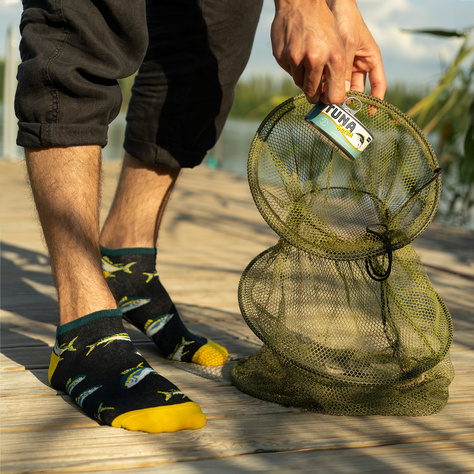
(362, 53)
(307, 45)
(326, 43)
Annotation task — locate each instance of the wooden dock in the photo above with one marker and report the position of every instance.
(211, 232)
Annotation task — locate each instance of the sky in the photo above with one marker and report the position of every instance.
(408, 58)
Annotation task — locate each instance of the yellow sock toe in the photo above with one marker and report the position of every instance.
(164, 419)
(210, 354)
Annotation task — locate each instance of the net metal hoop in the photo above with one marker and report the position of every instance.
(342, 247)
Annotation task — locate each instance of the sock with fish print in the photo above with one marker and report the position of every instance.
(95, 362)
(133, 280)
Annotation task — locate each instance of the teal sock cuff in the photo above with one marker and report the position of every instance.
(128, 251)
(106, 313)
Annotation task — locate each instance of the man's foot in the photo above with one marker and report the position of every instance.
(95, 362)
(144, 302)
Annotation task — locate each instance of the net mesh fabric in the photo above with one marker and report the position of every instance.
(317, 200)
(350, 322)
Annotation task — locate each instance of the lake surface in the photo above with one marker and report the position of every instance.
(230, 152)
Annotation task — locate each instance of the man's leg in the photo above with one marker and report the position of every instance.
(142, 194)
(129, 261)
(65, 185)
(67, 95)
(180, 101)
(94, 359)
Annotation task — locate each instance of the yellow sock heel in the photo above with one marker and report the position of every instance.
(52, 365)
(210, 354)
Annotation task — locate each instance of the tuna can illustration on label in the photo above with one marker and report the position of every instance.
(340, 127)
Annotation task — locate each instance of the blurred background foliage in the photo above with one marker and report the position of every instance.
(446, 116)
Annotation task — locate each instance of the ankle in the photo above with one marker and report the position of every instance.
(119, 240)
(79, 301)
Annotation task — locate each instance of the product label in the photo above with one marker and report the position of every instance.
(341, 127)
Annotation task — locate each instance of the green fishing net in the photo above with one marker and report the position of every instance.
(350, 322)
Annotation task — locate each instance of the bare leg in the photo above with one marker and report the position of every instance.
(142, 194)
(65, 185)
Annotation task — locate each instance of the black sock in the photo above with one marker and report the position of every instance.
(95, 362)
(132, 278)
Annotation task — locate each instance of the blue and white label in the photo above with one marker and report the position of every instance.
(341, 127)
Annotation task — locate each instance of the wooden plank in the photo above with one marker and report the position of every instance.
(447, 247)
(46, 431)
(96, 447)
(60, 412)
(434, 457)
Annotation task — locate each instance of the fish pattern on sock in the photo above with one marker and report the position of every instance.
(96, 363)
(134, 282)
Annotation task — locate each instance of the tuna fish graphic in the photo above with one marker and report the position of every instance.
(58, 350)
(71, 383)
(361, 138)
(98, 414)
(127, 304)
(152, 326)
(80, 399)
(123, 336)
(150, 276)
(178, 352)
(172, 393)
(134, 375)
(109, 267)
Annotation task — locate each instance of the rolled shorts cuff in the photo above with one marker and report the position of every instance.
(153, 154)
(33, 135)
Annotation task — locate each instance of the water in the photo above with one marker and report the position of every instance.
(229, 154)
(232, 149)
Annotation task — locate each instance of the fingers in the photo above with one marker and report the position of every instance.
(313, 81)
(335, 79)
(378, 84)
(297, 72)
(357, 81)
(311, 73)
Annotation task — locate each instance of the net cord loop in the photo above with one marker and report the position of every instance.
(374, 273)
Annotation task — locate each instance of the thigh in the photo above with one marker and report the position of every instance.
(185, 87)
(73, 52)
